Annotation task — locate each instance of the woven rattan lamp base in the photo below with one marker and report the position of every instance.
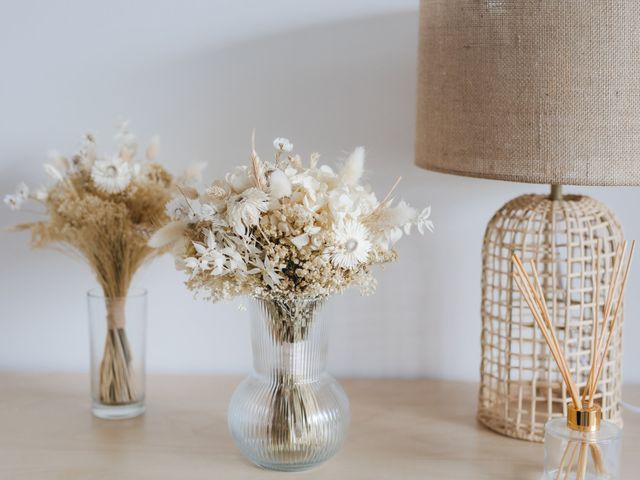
(520, 386)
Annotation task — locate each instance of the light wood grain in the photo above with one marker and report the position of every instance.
(401, 429)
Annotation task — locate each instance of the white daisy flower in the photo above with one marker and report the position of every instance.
(282, 144)
(352, 245)
(178, 208)
(111, 175)
(244, 209)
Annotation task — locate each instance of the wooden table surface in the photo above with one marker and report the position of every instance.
(400, 429)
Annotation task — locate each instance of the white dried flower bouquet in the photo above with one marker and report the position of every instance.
(283, 230)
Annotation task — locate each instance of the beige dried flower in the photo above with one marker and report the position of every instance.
(279, 229)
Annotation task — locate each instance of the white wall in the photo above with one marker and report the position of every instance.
(329, 75)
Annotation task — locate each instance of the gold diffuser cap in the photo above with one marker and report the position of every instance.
(586, 419)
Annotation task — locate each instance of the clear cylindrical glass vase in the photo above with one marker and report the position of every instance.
(289, 414)
(117, 331)
(592, 454)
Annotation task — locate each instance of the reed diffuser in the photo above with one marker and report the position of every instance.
(104, 209)
(582, 446)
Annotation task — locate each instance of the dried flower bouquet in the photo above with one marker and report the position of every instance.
(284, 230)
(105, 209)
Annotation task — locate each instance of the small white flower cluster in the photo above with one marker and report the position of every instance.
(108, 174)
(281, 229)
(16, 199)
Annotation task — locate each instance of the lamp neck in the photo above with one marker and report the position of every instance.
(556, 193)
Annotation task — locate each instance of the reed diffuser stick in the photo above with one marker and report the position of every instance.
(554, 352)
(541, 317)
(599, 335)
(611, 328)
(595, 269)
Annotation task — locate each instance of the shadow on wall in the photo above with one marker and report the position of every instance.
(341, 84)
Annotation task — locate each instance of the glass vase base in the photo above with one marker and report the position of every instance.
(117, 412)
(283, 467)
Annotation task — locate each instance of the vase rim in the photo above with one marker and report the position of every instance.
(134, 292)
(301, 299)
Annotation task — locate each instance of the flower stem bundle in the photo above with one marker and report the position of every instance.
(291, 427)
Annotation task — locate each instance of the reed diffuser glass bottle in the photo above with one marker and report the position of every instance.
(582, 446)
(289, 414)
(117, 330)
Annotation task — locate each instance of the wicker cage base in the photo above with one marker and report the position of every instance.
(520, 385)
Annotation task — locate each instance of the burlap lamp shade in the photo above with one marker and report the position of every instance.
(537, 91)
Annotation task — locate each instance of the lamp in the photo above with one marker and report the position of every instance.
(538, 92)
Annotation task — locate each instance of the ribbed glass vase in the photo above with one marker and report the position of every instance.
(289, 414)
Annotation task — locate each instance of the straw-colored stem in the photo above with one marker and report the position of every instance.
(615, 277)
(587, 392)
(581, 469)
(598, 461)
(571, 457)
(548, 331)
(117, 382)
(545, 313)
(541, 325)
(615, 316)
(291, 428)
(563, 459)
(386, 199)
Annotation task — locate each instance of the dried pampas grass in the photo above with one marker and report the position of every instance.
(353, 168)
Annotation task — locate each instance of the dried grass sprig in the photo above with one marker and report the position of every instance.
(257, 169)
